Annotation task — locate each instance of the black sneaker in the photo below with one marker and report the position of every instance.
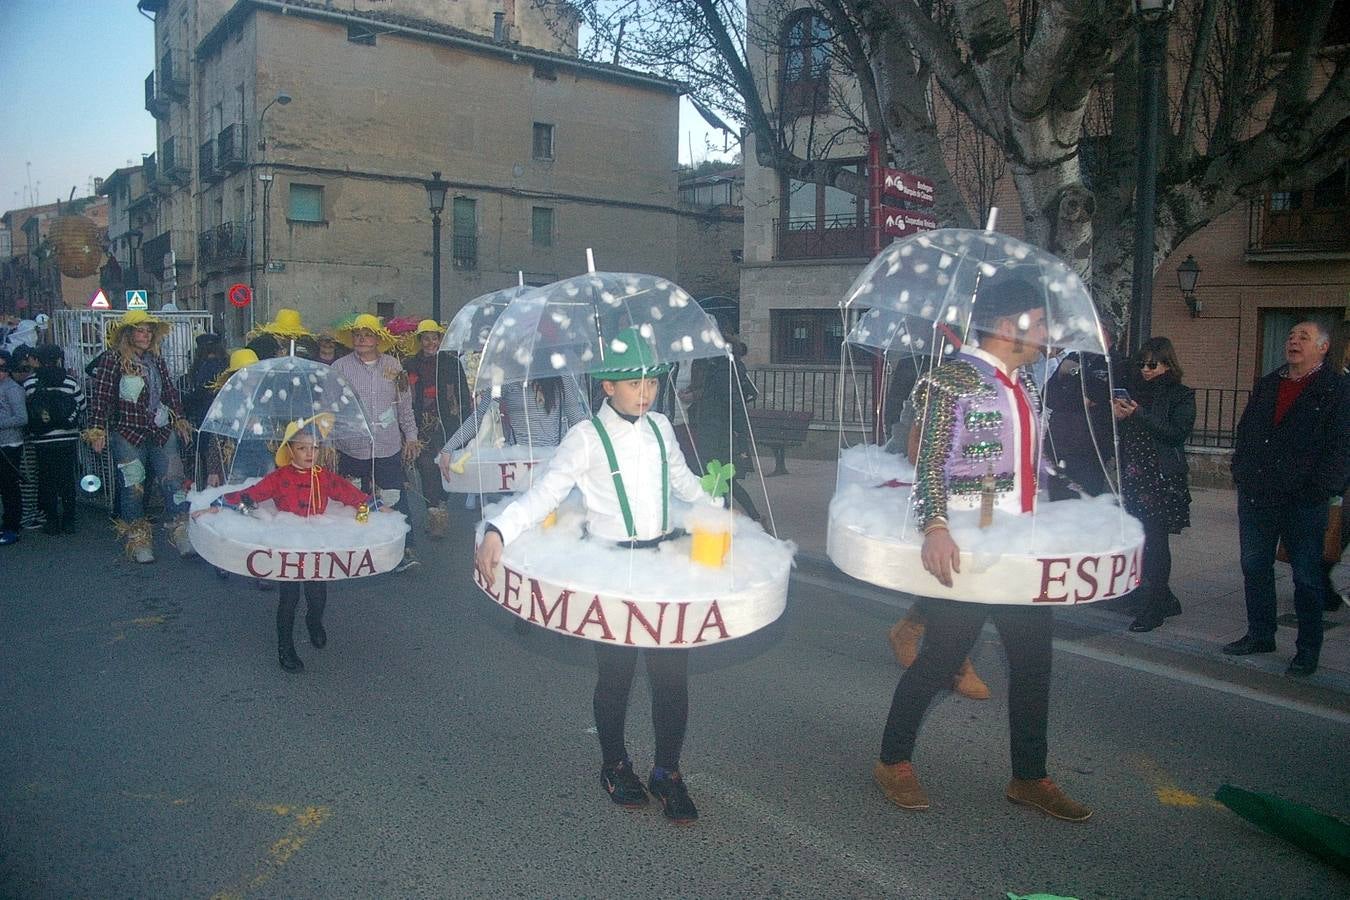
(623, 785)
(674, 798)
(409, 560)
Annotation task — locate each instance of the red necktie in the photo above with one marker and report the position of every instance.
(1024, 465)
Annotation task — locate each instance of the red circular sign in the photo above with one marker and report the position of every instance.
(241, 295)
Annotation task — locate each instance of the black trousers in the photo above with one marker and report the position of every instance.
(56, 480)
(288, 598)
(668, 680)
(11, 494)
(430, 474)
(1157, 564)
(951, 629)
(388, 474)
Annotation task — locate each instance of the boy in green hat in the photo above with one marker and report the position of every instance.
(626, 463)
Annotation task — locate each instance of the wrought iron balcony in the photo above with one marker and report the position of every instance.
(465, 250)
(171, 168)
(812, 237)
(155, 104)
(232, 148)
(224, 246)
(206, 163)
(1296, 231)
(173, 82)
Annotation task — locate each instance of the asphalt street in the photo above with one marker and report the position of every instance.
(151, 747)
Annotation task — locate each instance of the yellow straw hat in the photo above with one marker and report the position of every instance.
(429, 325)
(135, 318)
(239, 359)
(287, 324)
(366, 322)
(323, 424)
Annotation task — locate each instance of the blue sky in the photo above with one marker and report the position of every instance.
(72, 96)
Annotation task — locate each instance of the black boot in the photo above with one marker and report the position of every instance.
(286, 603)
(316, 598)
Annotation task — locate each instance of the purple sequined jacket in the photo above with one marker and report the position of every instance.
(968, 429)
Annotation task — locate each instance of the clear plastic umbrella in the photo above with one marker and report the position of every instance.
(566, 327)
(254, 407)
(937, 276)
(469, 329)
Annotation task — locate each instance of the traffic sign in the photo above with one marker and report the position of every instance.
(100, 301)
(241, 295)
(138, 300)
(914, 188)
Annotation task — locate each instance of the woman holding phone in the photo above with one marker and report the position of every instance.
(1155, 415)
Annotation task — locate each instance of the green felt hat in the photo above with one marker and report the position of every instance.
(629, 356)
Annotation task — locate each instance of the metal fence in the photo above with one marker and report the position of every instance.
(817, 390)
(82, 335)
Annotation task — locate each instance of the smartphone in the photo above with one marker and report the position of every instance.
(1120, 394)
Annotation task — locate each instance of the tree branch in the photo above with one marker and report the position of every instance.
(1184, 147)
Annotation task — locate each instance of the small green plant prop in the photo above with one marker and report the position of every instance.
(717, 482)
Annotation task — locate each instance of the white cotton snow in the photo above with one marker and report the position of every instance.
(336, 529)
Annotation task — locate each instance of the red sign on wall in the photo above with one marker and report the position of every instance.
(241, 295)
(907, 186)
(904, 222)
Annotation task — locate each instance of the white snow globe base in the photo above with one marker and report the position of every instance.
(508, 469)
(557, 579)
(279, 546)
(1074, 552)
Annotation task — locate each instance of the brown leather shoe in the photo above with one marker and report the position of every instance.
(905, 636)
(968, 684)
(900, 785)
(1045, 795)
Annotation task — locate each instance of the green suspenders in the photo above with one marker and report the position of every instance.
(618, 478)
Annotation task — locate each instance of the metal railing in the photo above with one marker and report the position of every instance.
(1310, 229)
(465, 250)
(831, 237)
(816, 389)
(206, 161)
(232, 147)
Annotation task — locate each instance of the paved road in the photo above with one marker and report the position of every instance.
(150, 747)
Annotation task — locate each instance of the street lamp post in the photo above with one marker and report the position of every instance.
(436, 189)
(266, 178)
(1151, 16)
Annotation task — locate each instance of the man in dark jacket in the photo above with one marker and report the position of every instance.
(1292, 456)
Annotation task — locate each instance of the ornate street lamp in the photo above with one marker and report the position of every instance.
(1151, 16)
(436, 189)
(1188, 275)
(265, 177)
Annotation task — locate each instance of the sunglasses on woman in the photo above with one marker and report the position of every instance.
(1152, 364)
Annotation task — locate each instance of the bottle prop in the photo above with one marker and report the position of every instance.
(987, 495)
(712, 536)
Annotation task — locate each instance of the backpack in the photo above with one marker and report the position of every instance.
(51, 409)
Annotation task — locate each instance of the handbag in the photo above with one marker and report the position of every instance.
(1331, 538)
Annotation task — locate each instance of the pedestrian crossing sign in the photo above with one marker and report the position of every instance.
(137, 300)
(100, 301)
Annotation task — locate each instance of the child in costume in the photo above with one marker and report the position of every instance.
(626, 463)
(301, 487)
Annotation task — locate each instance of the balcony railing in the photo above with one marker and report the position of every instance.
(173, 82)
(171, 168)
(153, 252)
(155, 104)
(1217, 411)
(232, 148)
(465, 251)
(810, 237)
(1300, 230)
(206, 162)
(224, 246)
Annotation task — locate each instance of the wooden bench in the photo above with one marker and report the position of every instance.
(779, 429)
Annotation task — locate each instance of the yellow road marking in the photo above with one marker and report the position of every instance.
(304, 821)
(1165, 788)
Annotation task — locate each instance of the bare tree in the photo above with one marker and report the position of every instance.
(962, 90)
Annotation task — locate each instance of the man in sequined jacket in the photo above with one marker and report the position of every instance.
(979, 416)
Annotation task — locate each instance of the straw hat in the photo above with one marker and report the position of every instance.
(429, 325)
(369, 323)
(322, 423)
(628, 356)
(135, 318)
(239, 359)
(287, 324)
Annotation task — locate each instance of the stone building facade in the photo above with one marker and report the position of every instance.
(1284, 257)
(301, 144)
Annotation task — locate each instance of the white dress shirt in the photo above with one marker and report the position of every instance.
(580, 462)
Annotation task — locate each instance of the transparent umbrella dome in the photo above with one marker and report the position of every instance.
(469, 329)
(253, 409)
(566, 327)
(937, 278)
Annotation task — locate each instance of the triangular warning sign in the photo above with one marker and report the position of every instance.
(100, 301)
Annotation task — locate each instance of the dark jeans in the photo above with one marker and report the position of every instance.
(951, 629)
(11, 496)
(56, 480)
(376, 474)
(288, 598)
(668, 681)
(430, 474)
(1301, 527)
